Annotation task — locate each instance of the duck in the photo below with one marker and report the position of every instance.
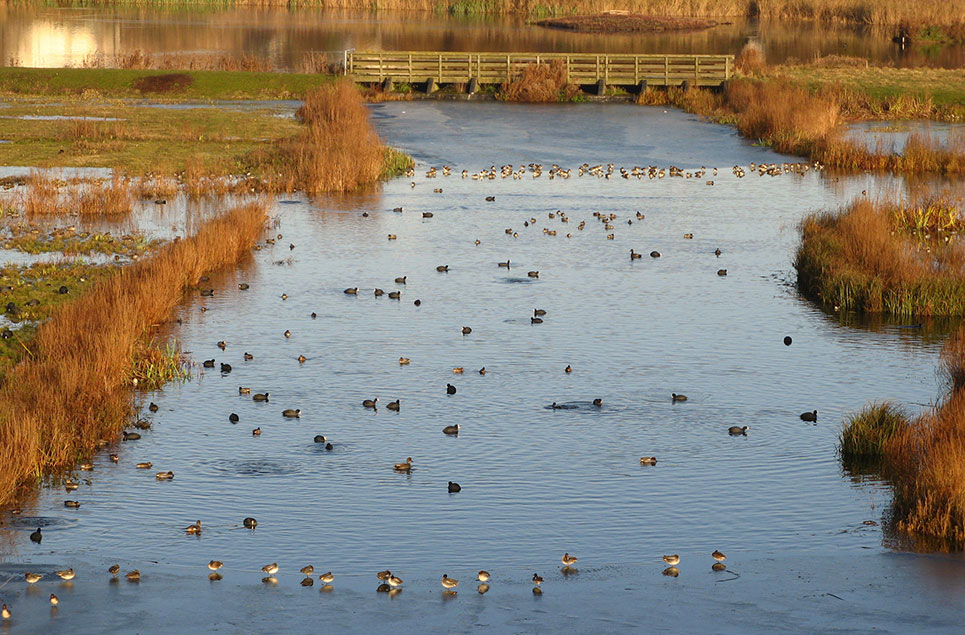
(482, 371)
(164, 476)
(307, 570)
(144, 465)
(394, 581)
(225, 368)
(598, 402)
(244, 286)
(5, 612)
(483, 576)
(352, 291)
(319, 438)
(115, 458)
(448, 582)
(291, 414)
(458, 370)
(384, 575)
(688, 236)
(222, 345)
(719, 566)
(54, 600)
(443, 268)
(113, 569)
(404, 467)
(737, 430)
(288, 333)
(242, 390)
(270, 569)
(568, 560)
(654, 254)
(466, 330)
(717, 252)
(260, 396)
(718, 555)
(453, 429)
(787, 340)
(404, 361)
(401, 280)
(393, 405)
(193, 529)
(539, 312)
(672, 560)
(454, 487)
(133, 576)
(130, 436)
(36, 536)
(66, 574)
(72, 504)
(504, 264)
(378, 292)
(248, 357)
(153, 407)
(648, 460)
(329, 447)
(535, 320)
(395, 295)
(32, 578)
(214, 565)
(256, 432)
(370, 403)
(450, 389)
(249, 523)
(301, 359)
(810, 416)
(537, 579)
(675, 397)
(722, 272)
(568, 369)
(327, 577)
(208, 363)
(635, 256)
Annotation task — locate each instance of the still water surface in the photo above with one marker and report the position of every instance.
(58, 36)
(535, 481)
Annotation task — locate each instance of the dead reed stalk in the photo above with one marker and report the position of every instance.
(43, 196)
(72, 391)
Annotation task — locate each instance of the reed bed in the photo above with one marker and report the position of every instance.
(43, 196)
(337, 149)
(73, 390)
(885, 258)
(540, 83)
(865, 433)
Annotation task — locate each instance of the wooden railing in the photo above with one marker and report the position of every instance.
(581, 68)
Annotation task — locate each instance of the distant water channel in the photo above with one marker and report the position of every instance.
(803, 538)
(58, 36)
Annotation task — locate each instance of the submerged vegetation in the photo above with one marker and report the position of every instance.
(905, 260)
(71, 392)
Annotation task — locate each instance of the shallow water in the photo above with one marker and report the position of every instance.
(535, 481)
(56, 36)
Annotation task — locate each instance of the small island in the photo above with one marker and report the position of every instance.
(625, 22)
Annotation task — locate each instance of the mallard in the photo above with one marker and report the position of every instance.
(384, 575)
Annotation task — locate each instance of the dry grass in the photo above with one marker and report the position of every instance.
(750, 61)
(336, 151)
(884, 258)
(626, 23)
(139, 60)
(73, 391)
(44, 196)
(540, 83)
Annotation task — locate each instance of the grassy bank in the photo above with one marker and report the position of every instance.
(73, 389)
(882, 12)
(923, 458)
(903, 260)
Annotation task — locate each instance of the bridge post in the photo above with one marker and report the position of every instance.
(472, 86)
(641, 86)
(387, 85)
(601, 87)
(430, 85)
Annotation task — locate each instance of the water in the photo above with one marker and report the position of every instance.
(535, 481)
(56, 36)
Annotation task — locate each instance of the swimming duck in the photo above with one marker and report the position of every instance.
(401, 280)
(115, 458)
(222, 345)
(598, 402)
(258, 396)
(73, 504)
(635, 256)
(243, 390)
(193, 529)
(504, 264)
(32, 578)
(539, 312)
(737, 430)
(302, 359)
(133, 576)
(146, 465)
(394, 581)
(466, 330)
(208, 363)
(448, 582)
(291, 414)
(384, 575)
(5, 612)
(483, 576)
(429, 214)
(458, 370)
(288, 333)
(370, 403)
(718, 556)
(378, 292)
(537, 579)
(86, 467)
(535, 320)
(787, 340)
(244, 286)
(395, 295)
(153, 407)
(36, 536)
(443, 268)
(454, 429)
(164, 476)
(319, 438)
(490, 199)
(722, 272)
(249, 523)
(810, 416)
(717, 252)
(54, 600)
(482, 371)
(568, 560)
(270, 569)
(672, 560)
(327, 577)
(225, 368)
(393, 405)
(352, 290)
(568, 369)
(66, 574)
(404, 467)
(688, 236)
(675, 397)
(214, 565)
(454, 487)
(329, 447)
(130, 436)
(648, 460)
(654, 254)
(113, 569)
(70, 485)
(404, 361)
(256, 432)
(450, 389)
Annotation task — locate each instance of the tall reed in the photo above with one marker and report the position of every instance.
(73, 390)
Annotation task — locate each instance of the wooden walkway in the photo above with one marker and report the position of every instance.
(495, 68)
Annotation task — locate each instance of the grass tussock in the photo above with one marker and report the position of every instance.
(73, 390)
(337, 149)
(155, 364)
(865, 433)
(540, 83)
(44, 196)
(904, 260)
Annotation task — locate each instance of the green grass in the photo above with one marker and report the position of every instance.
(72, 243)
(865, 433)
(155, 364)
(114, 83)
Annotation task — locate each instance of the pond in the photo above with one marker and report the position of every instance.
(57, 36)
(803, 539)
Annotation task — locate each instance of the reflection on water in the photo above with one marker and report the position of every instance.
(50, 36)
(535, 481)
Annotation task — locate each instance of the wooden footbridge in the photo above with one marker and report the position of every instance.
(473, 69)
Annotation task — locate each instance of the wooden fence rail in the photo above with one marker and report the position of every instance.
(581, 68)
